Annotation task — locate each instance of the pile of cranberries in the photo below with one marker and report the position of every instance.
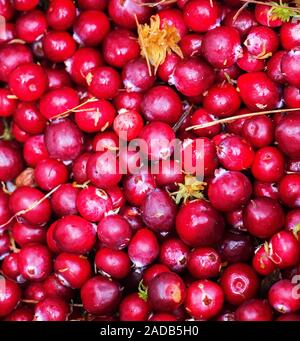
(91, 231)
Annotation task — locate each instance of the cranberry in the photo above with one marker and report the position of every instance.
(274, 67)
(103, 82)
(25, 5)
(35, 150)
(63, 140)
(13, 55)
(174, 254)
(79, 168)
(262, 262)
(291, 96)
(100, 296)
(166, 69)
(143, 248)
(152, 271)
(35, 262)
(128, 100)
(290, 66)
(239, 283)
(229, 190)
(74, 234)
(292, 220)
(10, 296)
(191, 45)
(19, 134)
(113, 263)
(128, 124)
(114, 231)
(282, 297)
(289, 190)
(204, 262)
(243, 21)
(24, 233)
(10, 267)
(170, 174)
(259, 131)
(5, 213)
(92, 4)
(222, 100)
(28, 117)
(134, 308)
(287, 135)
(63, 201)
(54, 288)
(235, 219)
(254, 310)
(123, 13)
(61, 14)
(135, 75)
(133, 217)
(285, 249)
(199, 224)
(58, 46)
(72, 270)
(51, 309)
(20, 314)
(166, 292)
(35, 291)
(193, 76)
(201, 15)
(6, 9)
(58, 101)
(234, 153)
(8, 105)
(258, 91)
(289, 37)
(265, 189)
(250, 63)
(26, 198)
(204, 299)
(31, 26)
(58, 78)
(158, 211)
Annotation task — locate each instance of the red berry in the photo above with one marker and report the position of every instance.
(134, 308)
(61, 14)
(31, 26)
(289, 190)
(283, 297)
(51, 309)
(58, 46)
(254, 310)
(10, 296)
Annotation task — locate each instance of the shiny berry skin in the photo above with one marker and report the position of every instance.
(19, 134)
(204, 299)
(112, 263)
(135, 76)
(137, 186)
(162, 103)
(54, 288)
(63, 200)
(57, 101)
(91, 27)
(127, 124)
(261, 41)
(35, 291)
(143, 248)
(13, 55)
(35, 262)
(243, 22)
(265, 189)
(74, 234)
(201, 15)
(285, 249)
(290, 66)
(292, 219)
(58, 78)
(23, 198)
(4, 208)
(58, 46)
(31, 26)
(79, 168)
(291, 96)
(8, 105)
(262, 262)
(274, 67)
(114, 232)
(20, 314)
(10, 267)
(24, 233)
(258, 91)
(239, 283)
(51, 309)
(222, 46)
(199, 224)
(282, 297)
(235, 153)
(123, 13)
(174, 254)
(158, 211)
(117, 197)
(28, 82)
(222, 99)
(72, 270)
(289, 190)
(100, 296)
(166, 292)
(254, 310)
(287, 135)
(50, 173)
(165, 70)
(61, 14)
(119, 47)
(28, 118)
(258, 131)
(95, 116)
(268, 165)
(193, 76)
(128, 100)
(263, 217)
(11, 162)
(92, 203)
(191, 45)
(92, 4)
(169, 174)
(229, 190)
(102, 170)
(235, 247)
(103, 82)
(10, 296)
(63, 140)
(134, 308)
(250, 63)
(289, 37)
(25, 5)
(204, 262)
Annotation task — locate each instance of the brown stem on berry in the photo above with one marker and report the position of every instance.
(240, 10)
(234, 118)
(30, 301)
(185, 114)
(155, 4)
